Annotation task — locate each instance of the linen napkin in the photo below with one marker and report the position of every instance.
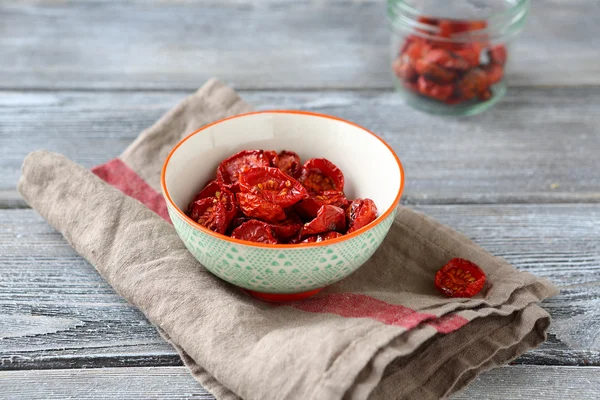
(382, 333)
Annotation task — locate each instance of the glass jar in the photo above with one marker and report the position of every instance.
(450, 57)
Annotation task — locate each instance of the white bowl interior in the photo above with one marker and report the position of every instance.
(369, 167)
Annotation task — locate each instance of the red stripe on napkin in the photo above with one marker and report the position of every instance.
(353, 305)
(349, 305)
(118, 174)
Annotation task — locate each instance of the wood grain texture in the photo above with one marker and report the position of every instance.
(537, 145)
(254, 44)
(57, 312)
(511, 382)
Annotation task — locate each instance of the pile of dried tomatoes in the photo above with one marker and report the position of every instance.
(269, 197)
(450, 71)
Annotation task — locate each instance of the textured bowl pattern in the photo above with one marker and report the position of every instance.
(283, 269)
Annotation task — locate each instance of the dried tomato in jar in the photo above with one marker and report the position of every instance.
(453, 65)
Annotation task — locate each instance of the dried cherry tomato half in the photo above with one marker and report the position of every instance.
(272, 185)
(434, 90)
(498, 54)
(460, 278)
(309, 207)
(474, 83)
(255, 231)
(273, 158)
(329, 218)
(230, 168)
(256, 207)
(359, 213)
(210, 214)
(289, 163)
(238, 221)
(404, 69)
(219, 192)
(319, 175)
(321, 237)
(494, 72)
(434, 72)
(471, 52)
(286, 229)
(447, 59)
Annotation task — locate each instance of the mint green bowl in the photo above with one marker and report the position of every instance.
(370, 167)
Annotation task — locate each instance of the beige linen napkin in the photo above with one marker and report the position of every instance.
(382, 333)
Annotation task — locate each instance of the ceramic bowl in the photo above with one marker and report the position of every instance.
(371, 169)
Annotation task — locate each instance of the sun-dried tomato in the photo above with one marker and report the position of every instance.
(485, 95)
(460, 278)
(433, 72)
(210, 214)
(321, 237)
(218, 193)
(359, 213)
(238, 221)
(309, 207)
(229, 170)
(272, 185)
(256, 207)
(273, 158)
(319, 175)
(329, 218)
(435, 90)
(494, 73)
(289, 163)
(404, 69)
(435, 64)
(255, 231)
(271, 206)
(473, 84)
(498, 54)
(471, 52)
(291, 226)
(414, 48)
(447, 59)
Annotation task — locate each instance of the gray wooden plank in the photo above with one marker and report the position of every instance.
(57, 312)
(538, 145)
(254, 44)
(510, 382)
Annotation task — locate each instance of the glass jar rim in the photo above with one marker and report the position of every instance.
(501, 25)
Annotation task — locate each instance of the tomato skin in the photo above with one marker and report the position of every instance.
(404, 69)
(256, 207)
(471, 52)
(273, 158)
(320, 174)
(287, 229)
(460, 278)
(329, 218)
(321, 237)
(255, 231)
(498, 54)
(219, 192)
(309, 207)
(474, 83)
(230, 168)
(210, 214)
(359, 213)
(433, 72)
(289, 163)
(272, 185)
(434, 90)
(494, 72)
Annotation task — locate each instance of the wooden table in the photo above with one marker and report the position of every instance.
(83, 78)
